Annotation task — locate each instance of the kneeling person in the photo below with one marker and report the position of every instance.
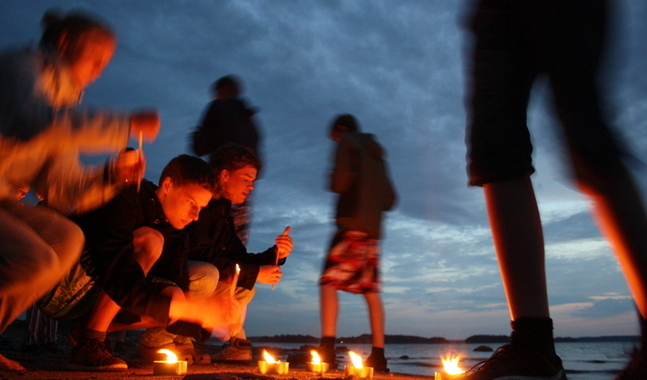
(213, 239)
(134, 266)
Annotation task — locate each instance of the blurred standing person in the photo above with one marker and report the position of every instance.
(515, 42)
(229, 119)
(361, 179)
(42, 134)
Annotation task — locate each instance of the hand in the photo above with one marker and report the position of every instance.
(222, 310)
(128, 167)
(269, 274)
(146, 122)
(284, 243)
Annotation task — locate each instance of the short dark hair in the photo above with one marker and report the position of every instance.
(233, 157)
(187, 170)
(346, 120)
(230, 82)
(75, 23)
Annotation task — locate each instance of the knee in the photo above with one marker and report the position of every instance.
(148, 244)
(203, 278)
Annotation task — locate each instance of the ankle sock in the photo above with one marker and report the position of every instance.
(534, 334)
(327, 342)
(377, 352)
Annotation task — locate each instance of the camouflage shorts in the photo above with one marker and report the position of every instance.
(74, 296)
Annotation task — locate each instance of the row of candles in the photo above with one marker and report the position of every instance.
(269, 365)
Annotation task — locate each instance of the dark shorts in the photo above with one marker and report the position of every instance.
(515, 42)
(352, 263)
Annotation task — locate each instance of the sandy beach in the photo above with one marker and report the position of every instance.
(46, 364)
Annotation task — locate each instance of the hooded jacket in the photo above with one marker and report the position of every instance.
(360, 177)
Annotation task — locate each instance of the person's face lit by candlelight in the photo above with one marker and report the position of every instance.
(236, 185)
(87, 55)
(182, 203)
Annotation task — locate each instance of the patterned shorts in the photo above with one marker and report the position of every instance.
(352, 264)
(74, 296)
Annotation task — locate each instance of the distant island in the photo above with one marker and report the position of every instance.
(411, 339)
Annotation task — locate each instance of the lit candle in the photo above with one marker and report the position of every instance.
(358, 369)
(169, 367)
(235, 281)
(270, 365)
(316, 365)
(451, 369)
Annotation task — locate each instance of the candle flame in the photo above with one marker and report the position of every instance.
(356, 359)
(170, 355)
(268, 358)
(316, 359)
(450, 364)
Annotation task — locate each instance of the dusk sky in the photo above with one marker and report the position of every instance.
(400, 67)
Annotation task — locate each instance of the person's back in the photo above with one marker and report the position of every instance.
(229, 120)
(360, 178)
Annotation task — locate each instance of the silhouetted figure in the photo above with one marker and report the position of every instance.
(228, 119)
(515, 42)
(361, 179)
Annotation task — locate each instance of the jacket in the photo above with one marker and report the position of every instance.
(109, 251)
(212, 238)
(360, 177)
(42, 133)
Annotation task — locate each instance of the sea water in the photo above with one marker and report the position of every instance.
(582, 360)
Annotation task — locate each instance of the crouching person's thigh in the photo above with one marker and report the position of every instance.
(203, 278)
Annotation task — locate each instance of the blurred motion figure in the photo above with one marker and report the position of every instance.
(515, 42)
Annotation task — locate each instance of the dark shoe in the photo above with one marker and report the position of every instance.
(328, 355)
(93, 355)
(510, 363)
(637, 368)
(238, 350)
(377, 362)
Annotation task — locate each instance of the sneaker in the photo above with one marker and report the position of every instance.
(377, 362)
(637, 368)
(510, 363)
(93, 355)
(238, 350)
